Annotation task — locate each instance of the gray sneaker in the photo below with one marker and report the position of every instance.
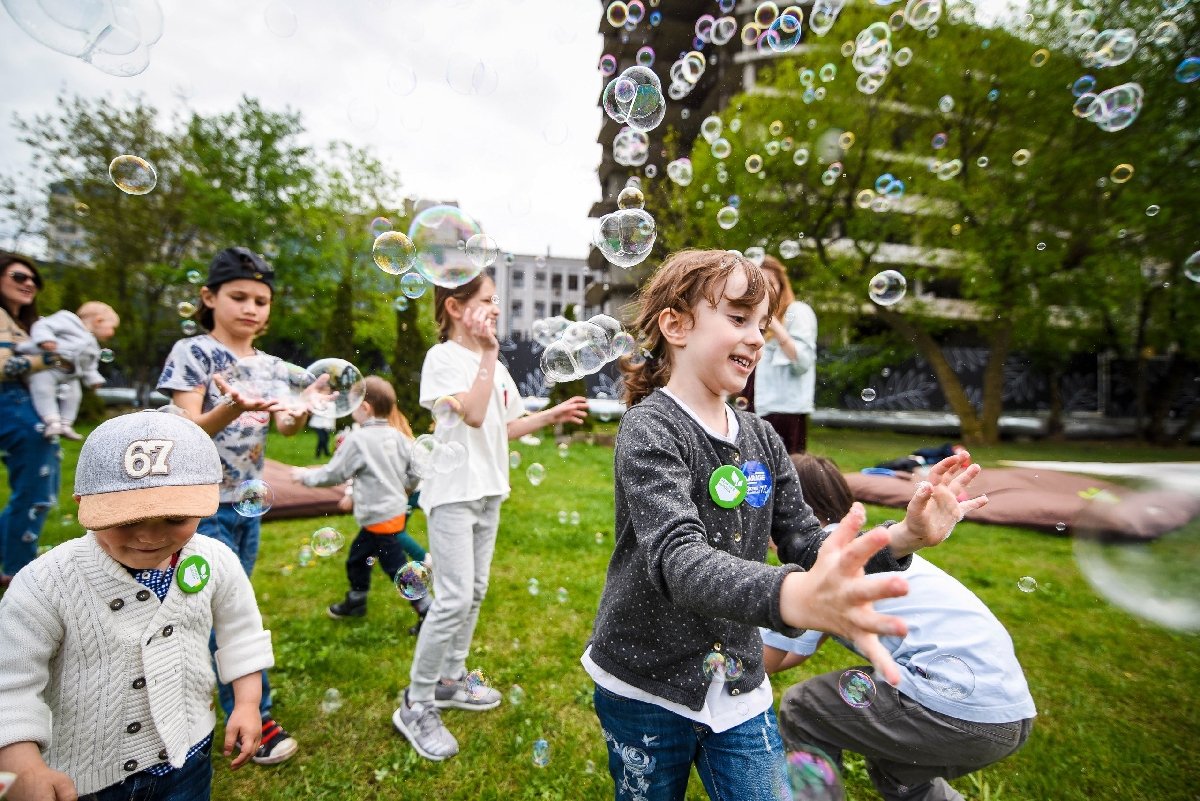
(456, 696)
(422, 725)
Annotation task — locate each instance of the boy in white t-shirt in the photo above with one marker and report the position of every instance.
(962, 702)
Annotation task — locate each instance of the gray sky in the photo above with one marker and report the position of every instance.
(521, 160)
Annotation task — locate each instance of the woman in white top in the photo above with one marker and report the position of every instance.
(785, 379)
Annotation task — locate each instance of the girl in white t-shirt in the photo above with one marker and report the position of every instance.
(463, 507)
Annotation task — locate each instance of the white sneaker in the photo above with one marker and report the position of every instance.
(457, 696)
(422, 725)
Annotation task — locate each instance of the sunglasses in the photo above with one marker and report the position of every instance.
(22, 278)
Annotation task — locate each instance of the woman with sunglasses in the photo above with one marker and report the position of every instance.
(31, 459)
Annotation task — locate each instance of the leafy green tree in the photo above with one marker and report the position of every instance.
(1025, 252)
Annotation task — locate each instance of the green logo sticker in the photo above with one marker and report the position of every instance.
(727, 485)
(193, 573)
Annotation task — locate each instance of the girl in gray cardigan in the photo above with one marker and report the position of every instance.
(700, 491)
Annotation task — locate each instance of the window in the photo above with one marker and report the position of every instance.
(517, 309)
(539, 280)
(555, 309)
(539, 309)
(518, 279)
(556, 282)
(572, 282)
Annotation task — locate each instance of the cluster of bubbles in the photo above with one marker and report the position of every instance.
(856, 688)
(443, 246)
(133, 175)
(573, 517)
(413, 580)
(580, 348)
(635, 98)
(625, 236)
(1113, 109)
(269, 378)
(114, 36)
(432, 456)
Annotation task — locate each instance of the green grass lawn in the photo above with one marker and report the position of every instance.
(1116, 719)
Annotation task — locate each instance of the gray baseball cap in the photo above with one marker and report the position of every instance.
(144, 465)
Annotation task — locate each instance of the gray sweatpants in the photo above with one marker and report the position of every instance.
(56, 395)
(910, 750)
(462, 537)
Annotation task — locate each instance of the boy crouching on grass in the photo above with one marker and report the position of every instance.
(105, 680)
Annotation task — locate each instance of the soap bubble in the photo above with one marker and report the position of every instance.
(680, 171)
(1021, 157)
(711, 128)
(800, 157)
(535, 473)
(331, 702)
(482, 250)
(533, 586)
(469, 75)
(345, 379)
(625, 236)
(1153, 209)
(922, 14)
(812, 776)
(106, 356)
(856, 688)
(1027, 584)
(946, 104)
(631, 148)
(563, 451)
(713, 665)
(1121, 173)
(185, 308)
(132, 175)
(608, 64)
(754, 163)
(541, 753)
(1083, 85)
(562, 595)
(253, 498)
(413, 285)
(447, 412)
(1117, 108)
(868, 395)
(115, 37)
(194, 277)
(327, 541)
(393, 252)
(1039, 57)
(400, 304)
(734, 669)
(887, 287)
(789, 249)
(631, 198)
(617, 13)
(784, 33)
(727, 217)
(439, 234)
(1191, 267)
(476, 683)
(413, 580)
(1111, 47)
(950, 677)
(635, 98)
(516, 695)
(1152, 577)
(1188, 70)
(939, 141)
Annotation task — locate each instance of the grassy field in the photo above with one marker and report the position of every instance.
(1116, 717)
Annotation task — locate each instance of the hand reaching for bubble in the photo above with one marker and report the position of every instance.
(243, 402)
(937, 505)
(573, 410)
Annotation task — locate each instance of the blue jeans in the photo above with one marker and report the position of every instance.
(191, 782)
(241, 535)
(651, 752)
(32, 462)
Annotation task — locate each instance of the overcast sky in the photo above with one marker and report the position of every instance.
(521, 159)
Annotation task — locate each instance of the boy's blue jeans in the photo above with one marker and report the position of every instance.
(241, 534)
(192, 782)
(33, 475)
(651, 752)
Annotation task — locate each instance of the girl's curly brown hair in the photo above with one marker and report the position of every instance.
(682, 282)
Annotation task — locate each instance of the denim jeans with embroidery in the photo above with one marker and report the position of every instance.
(651, 752)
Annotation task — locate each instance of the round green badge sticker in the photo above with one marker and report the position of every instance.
(193, 573)
(727, 485)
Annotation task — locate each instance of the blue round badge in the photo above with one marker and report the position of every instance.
(759, 481)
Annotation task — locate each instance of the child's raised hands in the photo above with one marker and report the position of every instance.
(937, 505)
(836, 596)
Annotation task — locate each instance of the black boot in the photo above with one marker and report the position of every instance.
(355, 605)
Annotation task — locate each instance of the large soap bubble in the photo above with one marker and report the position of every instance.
(626, 236)
(1141, 550)
(344, 379)
(635, 97)
(440, 235)
(114, 36)
(631, 148)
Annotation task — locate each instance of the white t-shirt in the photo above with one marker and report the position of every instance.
(451, 369)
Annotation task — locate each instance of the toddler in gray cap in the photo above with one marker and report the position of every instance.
(105, 677)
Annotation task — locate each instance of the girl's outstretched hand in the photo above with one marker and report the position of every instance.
(836, 596)
(937, 505)
(244, 403)
(569, 411)
(318, 395)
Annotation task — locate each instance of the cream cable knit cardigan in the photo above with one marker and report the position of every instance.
(105, 678)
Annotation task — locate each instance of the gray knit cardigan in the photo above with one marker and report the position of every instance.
(686, 576)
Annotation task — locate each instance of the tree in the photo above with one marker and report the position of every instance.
(1029, 250)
